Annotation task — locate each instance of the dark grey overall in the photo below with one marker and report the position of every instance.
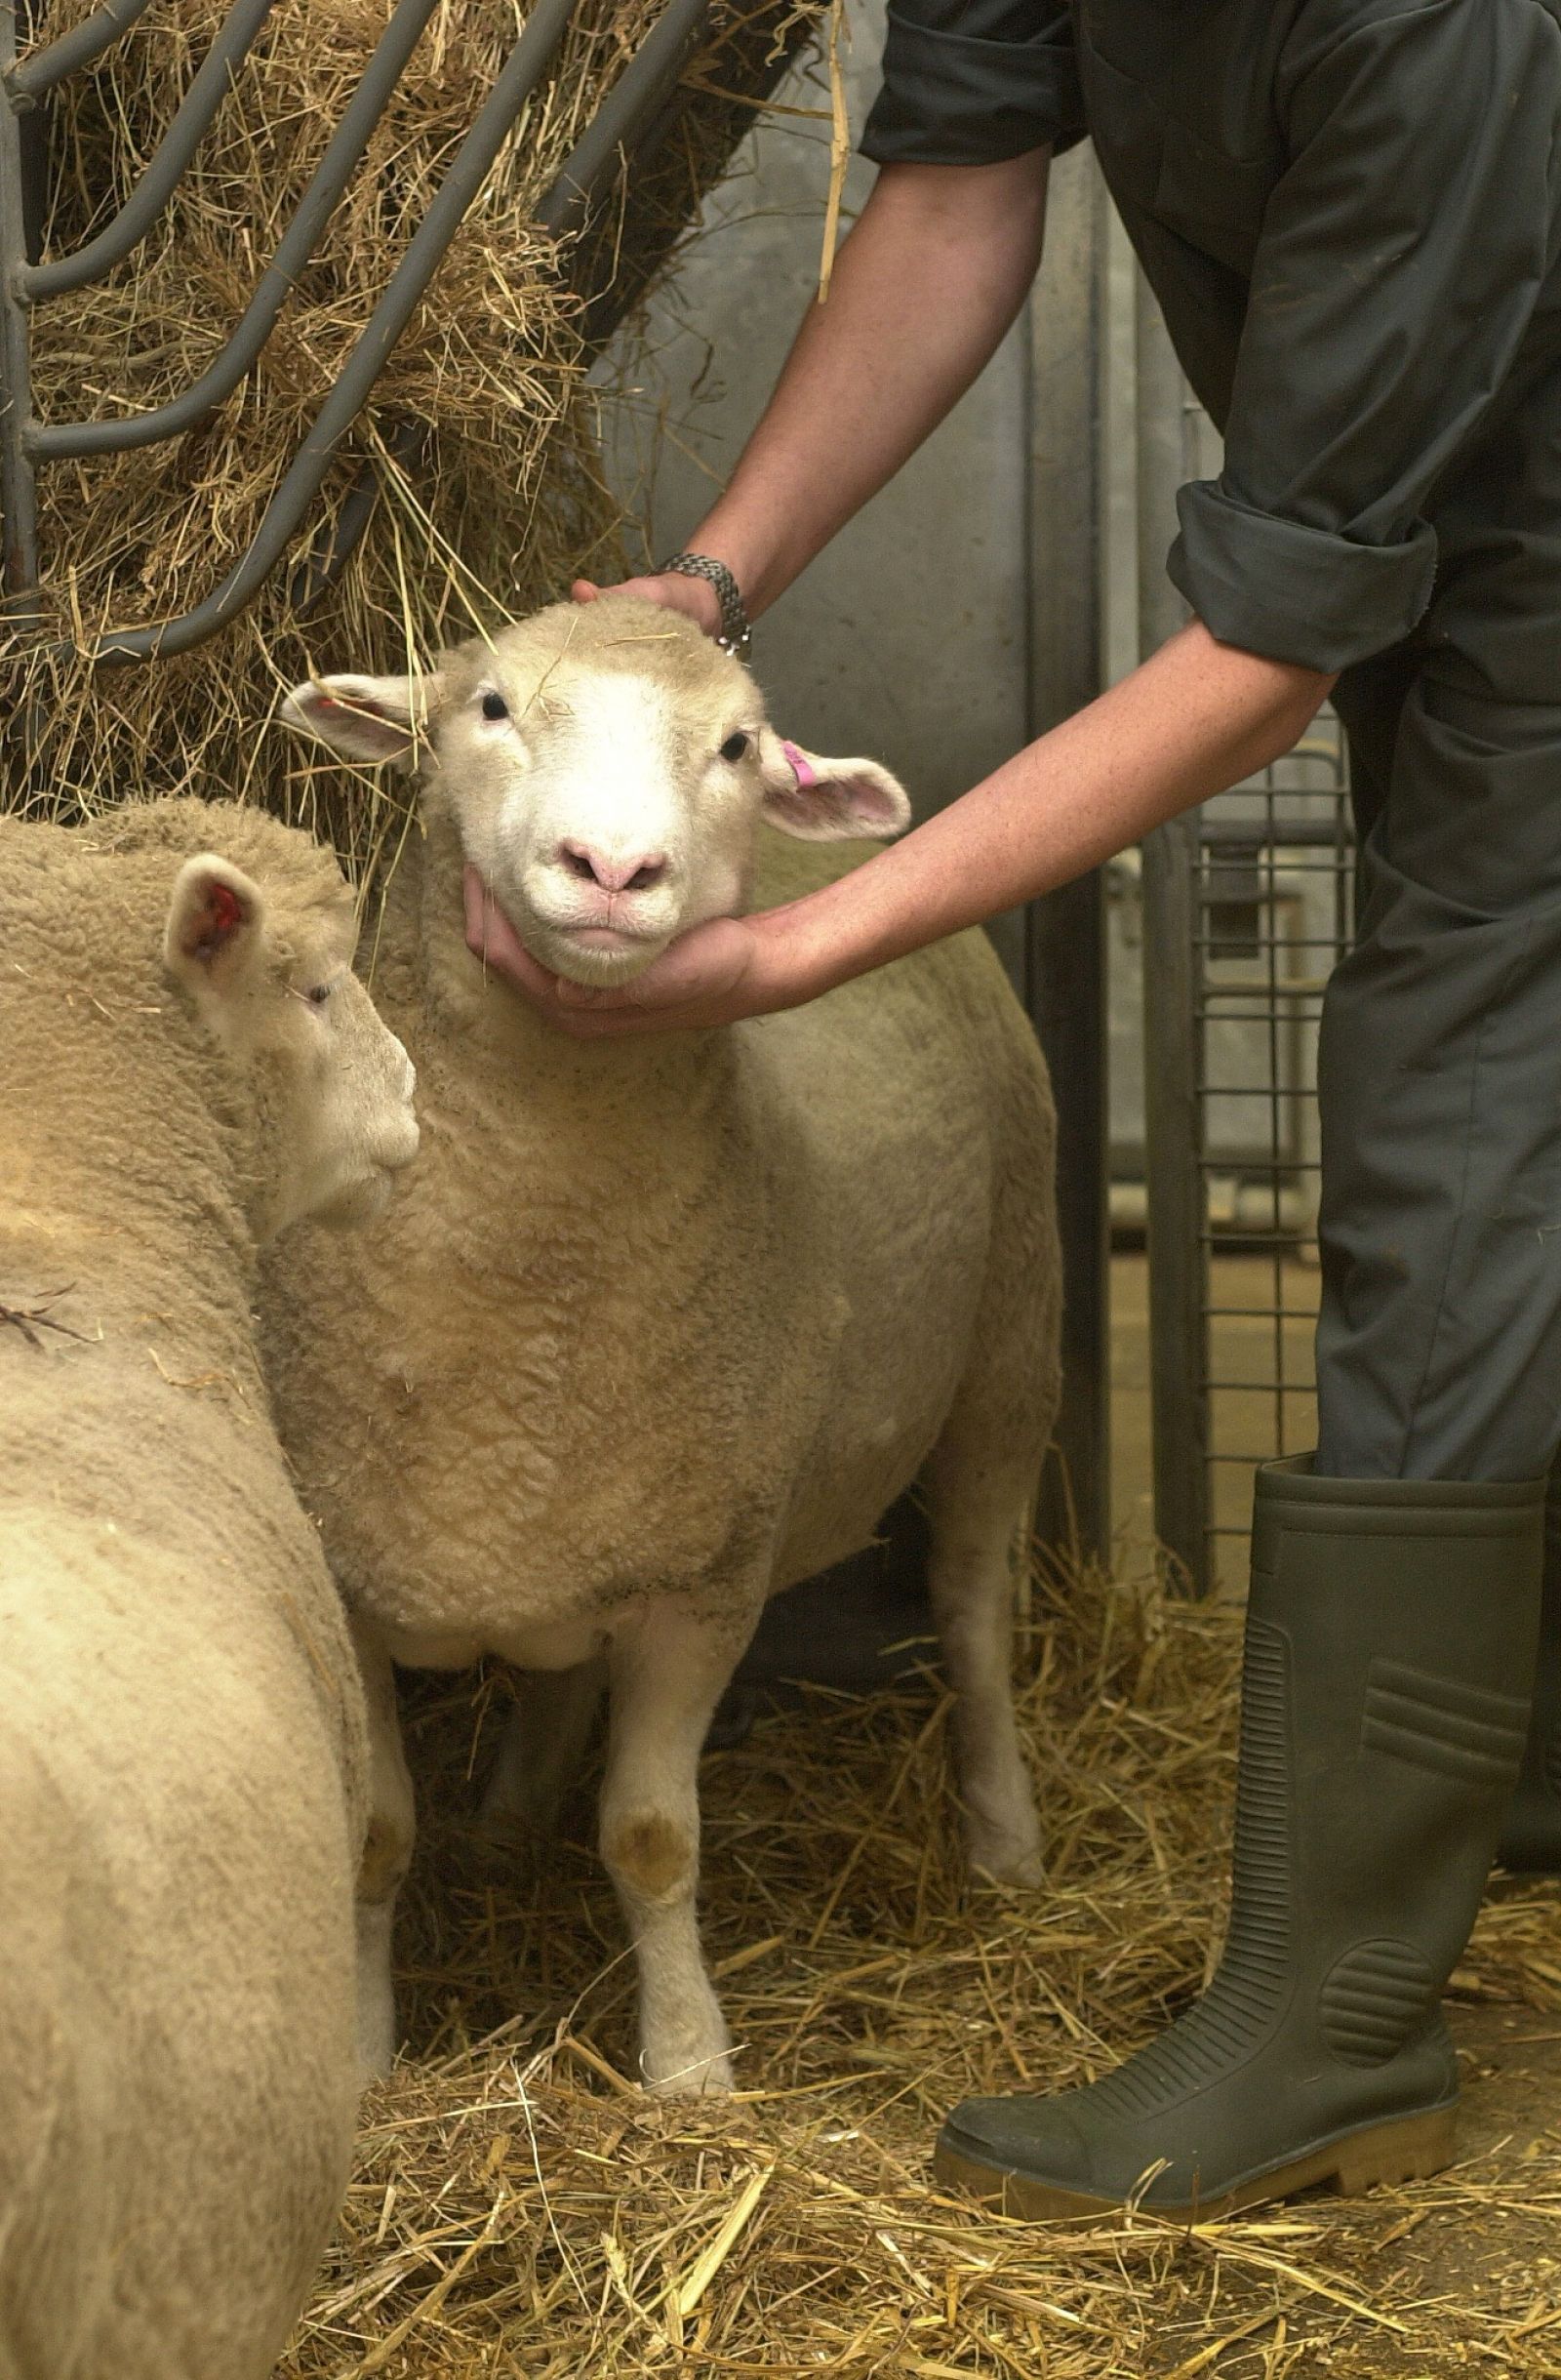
(1351, 215)
(1349, 211)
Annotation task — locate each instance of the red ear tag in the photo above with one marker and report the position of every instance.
(226, 909)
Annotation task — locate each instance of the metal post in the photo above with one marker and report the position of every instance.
(19, 499)
(1065, 932)
(1179, 1364)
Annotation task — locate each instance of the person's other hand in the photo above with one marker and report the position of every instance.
(694, 597)
(712, 975)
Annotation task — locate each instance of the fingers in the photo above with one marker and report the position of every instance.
(492, 938)
(698, 970)
(696, 598)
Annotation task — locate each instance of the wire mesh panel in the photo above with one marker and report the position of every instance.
(1274, 898)
(1247, 907)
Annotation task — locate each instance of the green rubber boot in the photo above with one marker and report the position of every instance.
(1531, 1835)
(1391, 1642)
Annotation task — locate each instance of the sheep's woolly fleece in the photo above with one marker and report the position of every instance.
(183, 1752)
(592, 1338)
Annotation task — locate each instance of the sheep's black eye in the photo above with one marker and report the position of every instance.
(493, 707)
(317, 995)
(735, 746)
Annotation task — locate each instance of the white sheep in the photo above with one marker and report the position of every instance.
(186, 1064)
(664, 1326)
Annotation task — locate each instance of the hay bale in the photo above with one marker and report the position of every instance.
(482, 426)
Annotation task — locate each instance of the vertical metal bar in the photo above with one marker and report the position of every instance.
(1173, 1123)
(1064, 933)
(18, 501)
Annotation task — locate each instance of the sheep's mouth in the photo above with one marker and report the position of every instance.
(609, 940)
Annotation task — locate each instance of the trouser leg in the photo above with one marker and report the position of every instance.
(1437, 1351)
(1439, 1341)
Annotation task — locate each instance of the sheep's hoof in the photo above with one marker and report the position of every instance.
(703, 2075)
(1001, 1860)
(377, 2043)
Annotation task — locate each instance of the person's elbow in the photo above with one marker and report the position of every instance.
(1005, 199)
(1275, 702)
(1298, 699)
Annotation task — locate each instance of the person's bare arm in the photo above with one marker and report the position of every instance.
(924, 289)
(1194, 718)
(925, 286)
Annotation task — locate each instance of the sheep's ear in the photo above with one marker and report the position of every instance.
(216, 922)
(364, 718)
(829, 801)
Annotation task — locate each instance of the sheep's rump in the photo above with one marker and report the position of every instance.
(175, 1874)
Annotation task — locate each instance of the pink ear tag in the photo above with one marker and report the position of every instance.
(802, 767)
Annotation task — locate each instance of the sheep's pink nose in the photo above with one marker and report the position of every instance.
(636, 872)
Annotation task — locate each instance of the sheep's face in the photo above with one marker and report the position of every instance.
(608, 768)
(607, 810)
(326, 1083)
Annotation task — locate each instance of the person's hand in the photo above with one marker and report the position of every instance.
(712, 975)
(694, 597)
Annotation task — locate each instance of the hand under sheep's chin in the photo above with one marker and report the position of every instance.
(700, 969)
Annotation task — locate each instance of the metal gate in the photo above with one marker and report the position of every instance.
(1247, 905)
(635, 116)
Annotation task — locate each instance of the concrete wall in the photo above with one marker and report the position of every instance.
(906, 638)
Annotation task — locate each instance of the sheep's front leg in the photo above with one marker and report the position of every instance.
(386, 1853)
(666, 1672)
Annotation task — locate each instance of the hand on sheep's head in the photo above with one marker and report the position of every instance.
(715, 974)
(696, 598)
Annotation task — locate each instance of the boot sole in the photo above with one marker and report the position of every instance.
(1409, 2149)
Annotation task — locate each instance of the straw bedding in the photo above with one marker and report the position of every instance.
(519, 2208)
(501, 500)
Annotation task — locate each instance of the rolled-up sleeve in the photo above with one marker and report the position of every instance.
(1401, 256)
(970, 82)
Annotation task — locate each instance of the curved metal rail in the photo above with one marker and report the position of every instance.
(637, 98)
(163, 173)
(277, 283)
(39, 74)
